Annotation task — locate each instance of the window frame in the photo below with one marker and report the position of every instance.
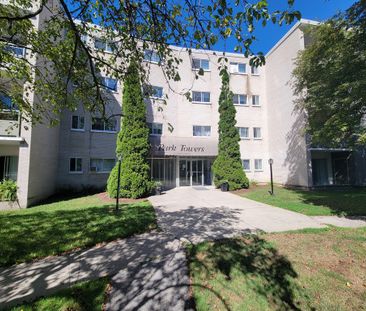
(241, 137)
(105, 86)
(246, 104)
(150, 60)
(201, 102)
(81, 165)
(153, 87)
(201, 126)
(237, 71)
(248, 169)
(252, 101)
(104, 126)
(260, 131)
(12, 47)
(200, 60)
(255, 166)
(151, 125)
(77, 129)
(102, 171)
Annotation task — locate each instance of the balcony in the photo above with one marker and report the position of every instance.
(9, 123)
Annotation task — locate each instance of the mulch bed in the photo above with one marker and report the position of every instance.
(105, 197)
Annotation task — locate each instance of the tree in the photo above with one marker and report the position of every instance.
(227, 165)
(330, 80)
(64, 68)
(132, 142)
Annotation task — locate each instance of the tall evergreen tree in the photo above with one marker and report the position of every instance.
(132, 142)
(228, 166)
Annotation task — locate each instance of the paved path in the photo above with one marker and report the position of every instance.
(197, 214)
(149, 271)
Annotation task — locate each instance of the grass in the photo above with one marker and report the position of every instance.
(313, 203)
(323, 269)
(85, 296)
(55, 228)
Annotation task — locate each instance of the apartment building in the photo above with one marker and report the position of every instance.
(80, 152)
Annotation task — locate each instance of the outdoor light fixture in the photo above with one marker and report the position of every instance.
(119, 158)
(270, 162)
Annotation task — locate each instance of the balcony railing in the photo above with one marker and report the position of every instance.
(9, 123)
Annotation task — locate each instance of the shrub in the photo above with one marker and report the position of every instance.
(8, 190)
(132, 142)
(227, 165)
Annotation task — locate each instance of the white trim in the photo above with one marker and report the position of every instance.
(77, 130)
(202, 103)
(100, 131)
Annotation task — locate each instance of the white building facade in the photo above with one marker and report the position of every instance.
(80, 152)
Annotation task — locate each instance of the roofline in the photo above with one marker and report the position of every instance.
(302, 21)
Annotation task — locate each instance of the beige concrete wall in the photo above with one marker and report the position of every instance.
(38, 154)
(286, 142)
(87, 145)
(183, 114)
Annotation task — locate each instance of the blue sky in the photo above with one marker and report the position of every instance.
(267, 37)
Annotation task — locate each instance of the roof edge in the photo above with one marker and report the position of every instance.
(302, 21)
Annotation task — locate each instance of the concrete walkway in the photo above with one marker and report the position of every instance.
(197, 214)
(149, 271)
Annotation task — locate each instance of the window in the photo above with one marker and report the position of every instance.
(238, 68)
(156, 92)
(103, 45)
(15, 50)
(257, 133)
(109, 83)
(201, 97)
(151, 56)
(77, 123)
(255, 70)
(243, 132)
(102, 165)
(76, 165)
(255, 100)
(258, 165)
(240, 99)
(6, 102)
(99, 124)
(198, 63)
(246, 164)
(199, 130)
(155, 128)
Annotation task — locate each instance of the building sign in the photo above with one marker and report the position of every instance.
(183, 146)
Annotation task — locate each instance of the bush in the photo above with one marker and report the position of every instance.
(132, 142)
(8, 190)
(227, 167)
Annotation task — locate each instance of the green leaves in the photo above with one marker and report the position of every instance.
(330, 82)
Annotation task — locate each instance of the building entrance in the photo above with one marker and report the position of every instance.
(195, 172)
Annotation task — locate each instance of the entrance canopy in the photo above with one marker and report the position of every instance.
(183, 146)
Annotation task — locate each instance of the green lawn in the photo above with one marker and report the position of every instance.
(54, 228)
(306, 270)
(313, 203)
(86, 296)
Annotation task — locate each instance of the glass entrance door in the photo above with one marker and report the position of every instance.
(185, 172)
(197, 173)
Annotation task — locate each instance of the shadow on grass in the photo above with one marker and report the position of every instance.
(82, 296)
(340, 202)
(251, 261)
(28, 236)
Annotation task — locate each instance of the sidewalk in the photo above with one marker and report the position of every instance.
(150, 272)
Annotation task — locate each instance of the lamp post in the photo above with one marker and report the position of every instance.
(270, 162)
(119, 158)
